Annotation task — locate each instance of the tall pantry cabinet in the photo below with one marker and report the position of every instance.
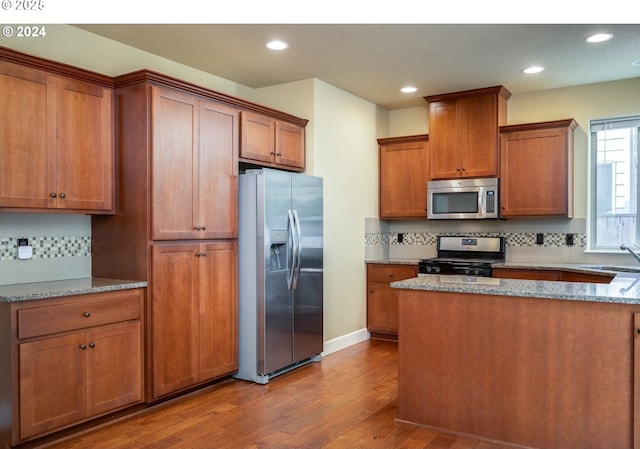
(176, 226)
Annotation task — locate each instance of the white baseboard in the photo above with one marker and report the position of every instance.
(345, 341)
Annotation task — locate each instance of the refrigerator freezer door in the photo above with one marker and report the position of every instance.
(275, 310)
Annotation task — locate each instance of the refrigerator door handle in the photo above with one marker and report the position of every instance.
(298, 265)
(294, 250)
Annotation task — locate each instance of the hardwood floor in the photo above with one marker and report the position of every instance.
(348, 400)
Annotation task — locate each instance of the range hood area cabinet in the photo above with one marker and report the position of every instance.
(536, 169)
(56, 137)
(403, 176)
(271, 142)
(463, 132)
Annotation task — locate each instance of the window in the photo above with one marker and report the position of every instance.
(614, 174)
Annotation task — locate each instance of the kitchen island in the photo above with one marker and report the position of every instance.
(538, 364)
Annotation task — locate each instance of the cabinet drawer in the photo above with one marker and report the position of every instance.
(390, 273)
(86, 311)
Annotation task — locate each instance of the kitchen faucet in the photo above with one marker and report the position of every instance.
(624, 247)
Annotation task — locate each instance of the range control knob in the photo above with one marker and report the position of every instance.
(438, 270)
(476, 271)
(429, 269)
(467, 271)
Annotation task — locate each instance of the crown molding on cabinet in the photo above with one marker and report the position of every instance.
(56, 68)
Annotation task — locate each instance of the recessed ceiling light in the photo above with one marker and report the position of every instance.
(277, 45)
(600, 37)
(534, 69)
(408, 89)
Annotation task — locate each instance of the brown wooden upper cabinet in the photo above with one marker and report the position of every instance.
(272, 142)
(463, 132)
(536, 169)
(404, 173)
(56, 142)
(195, 174)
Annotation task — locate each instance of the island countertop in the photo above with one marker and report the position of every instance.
(53, 289)
(623, 289)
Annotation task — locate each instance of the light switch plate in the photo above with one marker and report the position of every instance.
(25, 252)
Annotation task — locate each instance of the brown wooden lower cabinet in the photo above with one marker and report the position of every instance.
(194, 314)
(73, 359)
(382, 300)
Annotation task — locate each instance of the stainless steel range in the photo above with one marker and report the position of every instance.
(464, 255)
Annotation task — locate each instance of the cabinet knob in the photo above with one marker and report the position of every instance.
(273, 153)
(278, 154)
(83, 347)
(203, 228)
(53, 194)
(390, 275)
(87, 314)
(63, 195)
(92, 345)
(201, 254)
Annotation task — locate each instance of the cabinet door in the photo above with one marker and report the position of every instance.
(174, 317)
(444, 140)
(217, 204)
(258, 137)
(218, 317)
(52, 383)
(535, 175)
(404, 173)
(382, 308)
(478, 138)
(27, 150)
(290, 145)
(114, 367)
(174, 142)
(84, 147)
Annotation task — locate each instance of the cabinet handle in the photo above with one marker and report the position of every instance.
(53, 194)
(92, 345)
(63, 195)
(83, 347)
(87, 314)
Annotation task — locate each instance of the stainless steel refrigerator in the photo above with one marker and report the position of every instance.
(280, 269)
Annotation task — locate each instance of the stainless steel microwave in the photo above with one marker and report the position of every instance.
(463, 199)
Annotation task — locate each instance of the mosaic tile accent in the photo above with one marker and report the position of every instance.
(47, 247)
(551, 240)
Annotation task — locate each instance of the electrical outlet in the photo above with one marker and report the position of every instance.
(539, 239)
(400, 237)
(569, 239)
(25, 251)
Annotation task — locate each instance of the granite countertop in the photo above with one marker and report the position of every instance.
(623, 289)
(52, 289)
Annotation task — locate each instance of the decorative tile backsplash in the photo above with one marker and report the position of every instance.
(551, 240)
(47, 247)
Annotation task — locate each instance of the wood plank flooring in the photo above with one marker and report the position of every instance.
(347, 401)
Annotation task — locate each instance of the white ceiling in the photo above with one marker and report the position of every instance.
(375, 61)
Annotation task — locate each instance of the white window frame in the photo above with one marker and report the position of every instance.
(631, 121)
